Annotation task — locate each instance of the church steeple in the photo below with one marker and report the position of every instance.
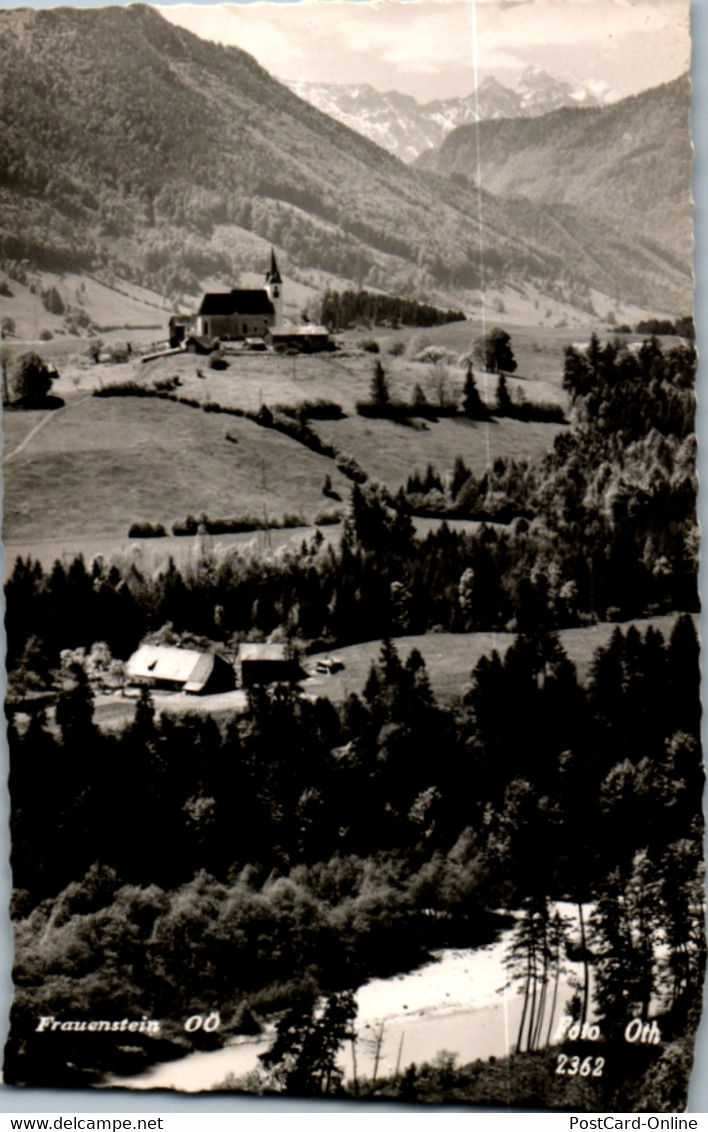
(273, 275)
(274, 288)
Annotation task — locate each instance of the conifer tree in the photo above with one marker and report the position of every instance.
(503, 406)
(472, 404)
(380, 393)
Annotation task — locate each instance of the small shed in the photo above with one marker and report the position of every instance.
(200, 344)
(179, 327)
(265, 664)
(171, 669)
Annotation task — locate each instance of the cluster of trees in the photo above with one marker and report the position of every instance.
(342, 309)
(613, 504)
(30, 382)
(682, 327)
(448, 402)
(494, 353)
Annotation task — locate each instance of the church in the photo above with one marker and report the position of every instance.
(243, 313)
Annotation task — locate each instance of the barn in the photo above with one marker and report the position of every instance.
(170, 669)
(265, 664)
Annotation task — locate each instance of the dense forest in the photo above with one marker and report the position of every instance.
(299, 848)
(340, 310)
(261, 864)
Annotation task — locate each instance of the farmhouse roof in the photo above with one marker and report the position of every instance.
(166, 662)
(263, 652)
(252, 301)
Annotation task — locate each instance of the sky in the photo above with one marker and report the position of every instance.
(429, 48)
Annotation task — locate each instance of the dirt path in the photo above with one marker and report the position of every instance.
(52, 414)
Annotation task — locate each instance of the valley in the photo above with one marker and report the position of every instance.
(351, 573)
(256, 166)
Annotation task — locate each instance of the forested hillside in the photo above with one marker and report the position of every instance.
(133, 144)
(628, 163)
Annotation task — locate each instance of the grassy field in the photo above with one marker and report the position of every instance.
(388, 451)
(98, 465)
(450, 657)
(123, 307)
(392, 451)
(252, 379)
(108, 462)
(102, 463)
(17, 425)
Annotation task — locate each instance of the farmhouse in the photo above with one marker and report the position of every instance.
(265, 664)
(242, 313)
(171, 669)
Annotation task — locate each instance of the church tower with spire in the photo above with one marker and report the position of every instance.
(274, 289)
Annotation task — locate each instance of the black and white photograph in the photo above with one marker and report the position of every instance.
(351, 551)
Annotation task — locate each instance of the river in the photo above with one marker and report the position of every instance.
(455, 1002)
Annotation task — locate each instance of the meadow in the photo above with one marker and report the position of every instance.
(450, 657)
(100, 464)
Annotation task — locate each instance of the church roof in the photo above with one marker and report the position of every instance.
(242, 302)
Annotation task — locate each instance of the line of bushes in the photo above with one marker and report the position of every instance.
(232, 525)
(147, 530)
(350, 467)
(401, 411)
(404, 410)
(319, 410)
(547, 412)
(235, 524)
(327, 518)
(133, 389)
(295, 428)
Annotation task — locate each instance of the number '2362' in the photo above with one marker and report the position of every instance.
(574, 1067)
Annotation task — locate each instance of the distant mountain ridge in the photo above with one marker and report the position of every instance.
(402, 125)
(132, 145)
(628, 163)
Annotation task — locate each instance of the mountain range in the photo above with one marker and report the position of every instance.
(628, 163)
(402, 125)
(132, 146)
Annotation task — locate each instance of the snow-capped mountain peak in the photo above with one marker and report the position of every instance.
(399, 123)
